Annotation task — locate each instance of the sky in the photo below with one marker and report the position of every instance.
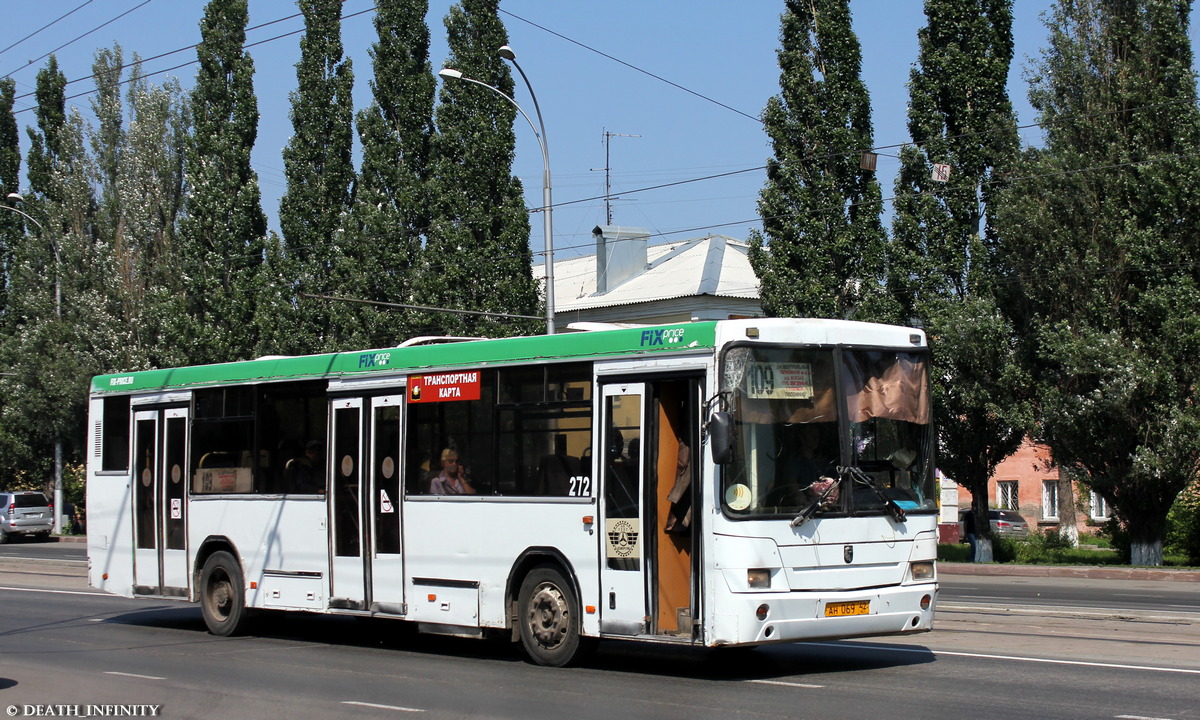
(679, 84)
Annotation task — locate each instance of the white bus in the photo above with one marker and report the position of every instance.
(726, 483)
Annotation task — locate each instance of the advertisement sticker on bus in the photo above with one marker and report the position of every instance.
(444, 387)
(779, 381)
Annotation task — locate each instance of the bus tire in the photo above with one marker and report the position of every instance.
(222, 594)
(548, 613)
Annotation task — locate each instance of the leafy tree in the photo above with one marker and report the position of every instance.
(393, 201)
(150, 189)
(477, 254)
(223, 233)
(1100, 229)
(941, 260)
(821, 250)
(108, 139)
(320, 174)
(10, 175)
(51, 119)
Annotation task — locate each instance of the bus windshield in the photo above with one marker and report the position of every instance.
(804, 416)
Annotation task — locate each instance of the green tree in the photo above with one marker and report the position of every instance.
(941, 259)
(223, 232)
(477, 254)
(150, 189)
(108, 139)
(392, 208)
(51, 113)
(821, 249)
(1101, 231)
(320, 175)
(10, 178)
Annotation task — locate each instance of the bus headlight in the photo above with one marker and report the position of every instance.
(921, 570)
(758, 578)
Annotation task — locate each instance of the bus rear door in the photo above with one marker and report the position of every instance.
(160, 506)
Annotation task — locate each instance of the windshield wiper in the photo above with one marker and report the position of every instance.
(862, 478)
(806, 514)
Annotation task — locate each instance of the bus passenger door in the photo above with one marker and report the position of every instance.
(159, 505)
(348, 582)
(386, 569)
(623, 609)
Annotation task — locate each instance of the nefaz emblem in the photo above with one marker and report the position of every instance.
(848, 553)
(662, 336)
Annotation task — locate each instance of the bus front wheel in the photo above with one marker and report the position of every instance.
(222, 594)
(549, 617)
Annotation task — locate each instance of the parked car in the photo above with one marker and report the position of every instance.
(1005, 523)
(25, 513)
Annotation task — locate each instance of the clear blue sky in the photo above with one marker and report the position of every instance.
(716, 48)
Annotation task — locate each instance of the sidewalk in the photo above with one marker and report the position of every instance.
(1099, 572)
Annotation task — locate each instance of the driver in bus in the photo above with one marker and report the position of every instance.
(452, 480)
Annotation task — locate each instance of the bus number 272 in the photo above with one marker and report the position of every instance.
(581, 486)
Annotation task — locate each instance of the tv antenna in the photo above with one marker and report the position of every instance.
(608, 196)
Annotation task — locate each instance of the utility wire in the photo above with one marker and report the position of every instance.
(630, 66)
(35, 32)
(89, 32)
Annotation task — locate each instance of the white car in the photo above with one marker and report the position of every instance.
(25, 513)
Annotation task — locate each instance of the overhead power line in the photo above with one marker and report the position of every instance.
(35, 32)
(631, 66)
(89, 32)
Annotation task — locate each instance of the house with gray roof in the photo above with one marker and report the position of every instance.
(627, 280)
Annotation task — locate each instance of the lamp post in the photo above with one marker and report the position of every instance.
(507, 53)
(58, 461)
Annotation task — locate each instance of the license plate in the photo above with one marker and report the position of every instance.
(842, 609)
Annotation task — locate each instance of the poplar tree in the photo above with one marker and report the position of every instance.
(942, 252)
(223, 233)
(477, 254)
(393, 202)
(10, 177)
(821, 250)
(150, 189)
(108, 139)
(1100, 227)
(51, 114)
(320, 177)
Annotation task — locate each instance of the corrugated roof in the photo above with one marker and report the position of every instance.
(714, 265)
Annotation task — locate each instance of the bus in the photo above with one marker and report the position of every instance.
(726, 483)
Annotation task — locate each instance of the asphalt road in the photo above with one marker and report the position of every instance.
(1033, 653)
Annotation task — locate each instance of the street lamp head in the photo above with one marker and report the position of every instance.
(16, 197)
(450, 73)
(507, 53)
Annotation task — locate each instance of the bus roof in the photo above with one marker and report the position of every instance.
(401, 360)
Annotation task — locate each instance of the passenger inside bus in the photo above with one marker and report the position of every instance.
(452, 480)
(555, 471)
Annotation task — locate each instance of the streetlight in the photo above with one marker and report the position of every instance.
(507, 53)
(58, 462)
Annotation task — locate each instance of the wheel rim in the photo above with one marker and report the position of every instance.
(549, 617)
(220, 595)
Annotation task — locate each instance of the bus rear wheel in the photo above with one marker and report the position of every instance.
(549, 617)
(222, 594)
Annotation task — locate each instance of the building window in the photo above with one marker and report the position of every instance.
(1098, 507)
(1050, 499)
(1006, 494)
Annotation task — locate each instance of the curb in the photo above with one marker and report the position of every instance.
(1096, 572)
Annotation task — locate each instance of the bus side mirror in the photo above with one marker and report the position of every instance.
(720, 437)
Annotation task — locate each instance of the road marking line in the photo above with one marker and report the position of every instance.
(1048, 661)
(1140, 717)
(133, 675)
(786, 684)
(382, 707)
(56, 592)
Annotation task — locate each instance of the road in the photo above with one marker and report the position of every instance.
(1029, 652)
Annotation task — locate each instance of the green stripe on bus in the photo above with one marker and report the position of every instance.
(567, 346)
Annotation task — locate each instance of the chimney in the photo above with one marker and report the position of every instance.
(620, 254)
